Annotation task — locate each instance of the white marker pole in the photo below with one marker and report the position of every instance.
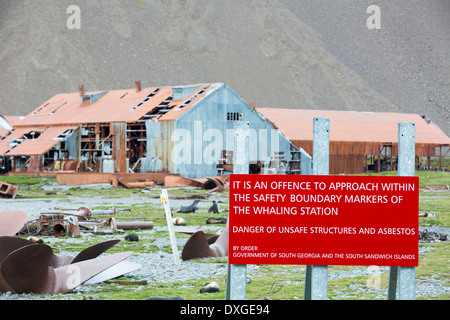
(173, 240)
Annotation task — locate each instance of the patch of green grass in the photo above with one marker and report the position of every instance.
(437, 206)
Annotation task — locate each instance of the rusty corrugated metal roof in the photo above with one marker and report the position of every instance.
(16, 134)
(349, 126)
(46, 141)
(6, 122)
(128, 106)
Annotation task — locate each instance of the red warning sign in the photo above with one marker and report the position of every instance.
(324, 220)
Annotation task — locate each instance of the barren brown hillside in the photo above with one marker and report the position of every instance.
(280, 53)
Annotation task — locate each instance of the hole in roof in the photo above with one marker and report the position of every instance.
(152, 94)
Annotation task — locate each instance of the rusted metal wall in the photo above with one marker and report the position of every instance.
(119, 131)
(159, 146)
(348, 157)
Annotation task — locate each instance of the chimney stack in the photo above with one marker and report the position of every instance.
(138, 85)
(81, 89)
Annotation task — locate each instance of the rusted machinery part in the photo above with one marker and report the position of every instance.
(196, 247)
(57, 261)
(64, 280)
(121, 268)
(134, 225)
(12, 221)
(32, 227)
(10, 243)
(88, 253)
(59, 230)
(199, 245)
(220, 246)
(211, 238)
(83, 213)
(73, 165)
(113, 224)
(27, 270)
(95, 250)
(213, 184)
(69, 228)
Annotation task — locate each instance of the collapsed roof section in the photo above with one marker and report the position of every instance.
(44, 141)
(6, 124)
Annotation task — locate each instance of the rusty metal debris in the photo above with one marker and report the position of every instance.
(60, 224)
(212, 184)
(199, 245)
(27, 267)
(136, 184)
(8, 190)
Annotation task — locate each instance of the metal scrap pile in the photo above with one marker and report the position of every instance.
(61, 223)
(29, 267)
(8, 190)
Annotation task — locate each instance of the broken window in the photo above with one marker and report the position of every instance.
(234, 116)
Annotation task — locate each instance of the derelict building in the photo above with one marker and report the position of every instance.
(189, 130)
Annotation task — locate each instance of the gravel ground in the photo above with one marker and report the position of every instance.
(162, 268)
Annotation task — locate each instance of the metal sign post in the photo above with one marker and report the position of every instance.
(406, 167)
(316, 279)
(305, 162)
(173, 240)
(237, 273)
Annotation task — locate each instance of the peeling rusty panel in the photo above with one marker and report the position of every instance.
(128, 105)
(16, 134)
(35, 164)
(160, 145)
(42, 144)
(119, 131)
